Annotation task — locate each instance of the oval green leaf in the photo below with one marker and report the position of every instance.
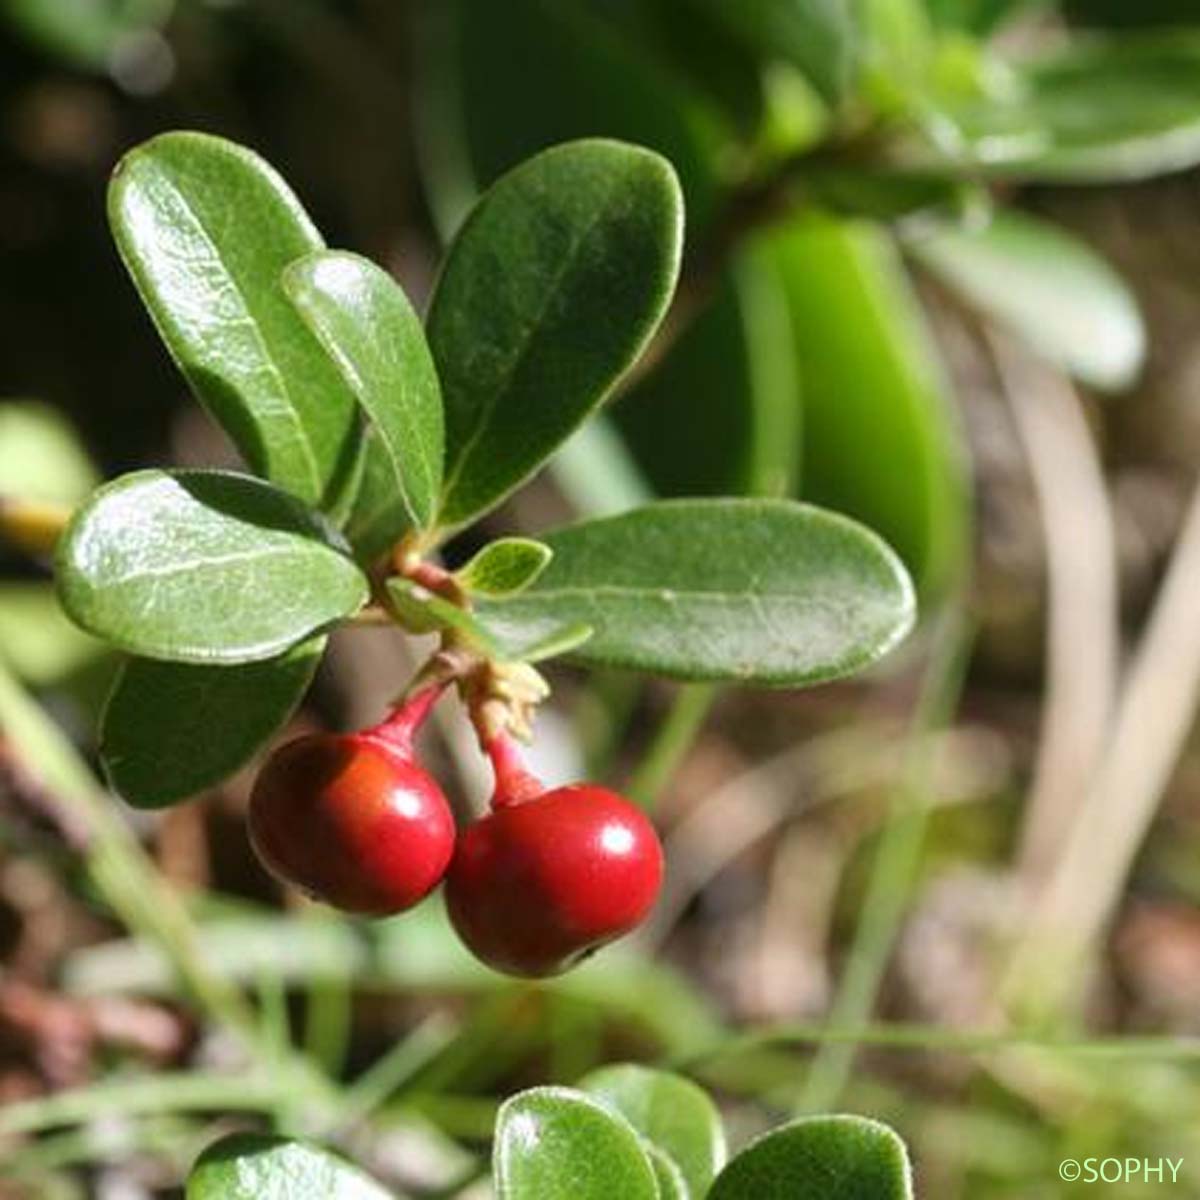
(880, 435)
(558, 1144)
(818, 1158)
(762, 591)
(171, 730)
(1049, 288)
(202, 566)
(552, 288)
(670, 1112)
(205, 228)
(504, 567)
(246, 1166)
(366, 324)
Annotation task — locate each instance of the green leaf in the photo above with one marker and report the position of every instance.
(548, 295)
(1099, 111)
(171, 730)
(820, 1158)
(880, 436)
(558, 1144)
(41, 457)
(819, 37)
(550, 645)
(246, 1166)
(1049, 288)
(206, 229)
(504, 567)
(721, 413)
(672, 1113)
(762, 591)
(365, 322)
(202, 566)
(423, 611)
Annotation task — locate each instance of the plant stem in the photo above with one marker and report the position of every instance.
(671, 743)
(895, 863)
(936, 1038)
(148, 1095)
(33, 526)
(401, 1064)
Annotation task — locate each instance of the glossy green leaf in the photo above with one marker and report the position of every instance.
(206, 229)
(1098, 111)
(880, 437)
(669, 1111)
(366, 324)
(246, 1166)
(548, 295)
(41, 457)
(202, 566)
(558, 1144)
(171, 730)
(1048, 287)
(820, 37)
(820, 1158)
(721, 413)
(500, 82)
(763, 591)
(505, 567)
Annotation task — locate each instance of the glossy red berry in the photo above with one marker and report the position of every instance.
(353, 819)
(548, 877)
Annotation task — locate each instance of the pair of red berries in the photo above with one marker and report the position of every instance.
(540, 882)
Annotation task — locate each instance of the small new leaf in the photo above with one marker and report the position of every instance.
(549, 293)
(202, 567)
(423, 611)
(171, 730)
(505, 567)
(367, 326)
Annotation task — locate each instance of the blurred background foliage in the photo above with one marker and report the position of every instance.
(941, 275)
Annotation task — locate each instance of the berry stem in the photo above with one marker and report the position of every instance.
(514, 782)
(401, 726)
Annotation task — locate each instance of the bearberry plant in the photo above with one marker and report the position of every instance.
(626, 1131)
(374, 439)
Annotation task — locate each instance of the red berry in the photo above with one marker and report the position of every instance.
(548, 877)
(353, 819)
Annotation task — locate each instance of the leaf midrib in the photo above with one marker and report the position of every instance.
(526, 343)
(289, 408)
